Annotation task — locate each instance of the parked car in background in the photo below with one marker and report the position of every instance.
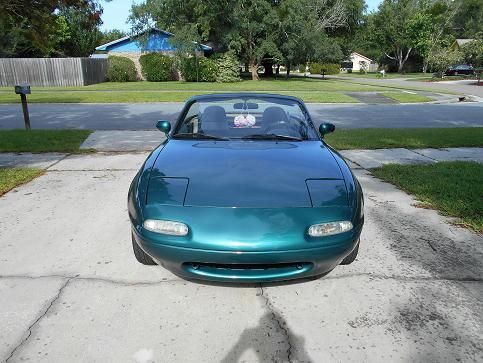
(245, 189)
(460, 69)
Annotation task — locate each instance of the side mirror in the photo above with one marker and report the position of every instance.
(163, 126)
(326, 128)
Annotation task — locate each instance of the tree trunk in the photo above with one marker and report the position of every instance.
(267, 64)
(254, 70)
(247, 67)
(425, 66)
(287, 74)
(277, 70)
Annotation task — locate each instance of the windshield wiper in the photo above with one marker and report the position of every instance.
(272, 137)
(199, 135)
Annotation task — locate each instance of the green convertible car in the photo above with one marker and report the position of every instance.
(245, 189)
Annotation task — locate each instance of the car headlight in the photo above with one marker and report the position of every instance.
(330, 228)
(166, 227)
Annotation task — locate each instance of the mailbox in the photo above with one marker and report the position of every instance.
(22, 89)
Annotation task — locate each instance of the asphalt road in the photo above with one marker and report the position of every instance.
(143, 116)
(72, 291)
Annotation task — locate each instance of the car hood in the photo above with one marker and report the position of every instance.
(252, 174)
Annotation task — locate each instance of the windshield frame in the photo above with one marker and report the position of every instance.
(244, 96)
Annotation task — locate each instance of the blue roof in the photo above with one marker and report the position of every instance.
(158, 40)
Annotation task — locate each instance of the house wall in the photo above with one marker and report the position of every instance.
(356, 65)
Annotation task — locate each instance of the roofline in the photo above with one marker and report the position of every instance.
(127, 37)
(363, 56)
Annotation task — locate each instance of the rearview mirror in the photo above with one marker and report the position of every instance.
(245, 106)
(163, 126)
(326, 128)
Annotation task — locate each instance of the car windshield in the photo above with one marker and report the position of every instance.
(248, 118)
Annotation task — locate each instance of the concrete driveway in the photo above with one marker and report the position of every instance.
(71, 290)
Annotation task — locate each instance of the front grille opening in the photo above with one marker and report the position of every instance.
(247, 266)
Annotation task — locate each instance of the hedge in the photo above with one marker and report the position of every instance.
(324, 68)
(121, 69)
(198, 69)
(157, 67)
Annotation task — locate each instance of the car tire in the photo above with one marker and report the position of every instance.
(141, 256)
(352, 256)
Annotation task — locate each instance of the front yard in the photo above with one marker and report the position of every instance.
(310, 90)
(414, 138)
(38, 141)
(453, 188)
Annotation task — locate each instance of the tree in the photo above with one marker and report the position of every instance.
(258, 31)
(443, 58)
(420, 30)
(83, 30)
(473, 52)
(30, 24)
(468, 20)
(111, 35)
(390, 29)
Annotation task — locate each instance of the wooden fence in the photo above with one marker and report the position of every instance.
(52, 71)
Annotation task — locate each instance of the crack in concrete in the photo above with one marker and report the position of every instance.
(283, 327)
(42, 315)
(95, 279)
(346, 276)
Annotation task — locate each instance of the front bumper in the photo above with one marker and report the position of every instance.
(251, 266)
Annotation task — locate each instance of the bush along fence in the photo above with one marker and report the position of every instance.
(52, 71)
(157, 67)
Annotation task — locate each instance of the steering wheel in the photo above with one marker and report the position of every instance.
(278, 125)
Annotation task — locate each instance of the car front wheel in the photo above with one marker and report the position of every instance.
(352, 256)
(141, 256)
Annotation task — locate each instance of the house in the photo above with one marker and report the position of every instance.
(458, 43)
(358, 61)
(133, 46)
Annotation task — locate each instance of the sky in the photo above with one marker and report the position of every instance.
(116, 13)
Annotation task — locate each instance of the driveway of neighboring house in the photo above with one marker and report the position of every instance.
(71, 290)
(463, 87)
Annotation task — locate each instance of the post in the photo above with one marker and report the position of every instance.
(23, 90)
(25, 109)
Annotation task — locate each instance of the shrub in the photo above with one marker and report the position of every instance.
(157, 67)
(227, 69)
(324, 68)
(198, 69)
(314, 68)
(121, 69)
(301, 68)
(441, 59)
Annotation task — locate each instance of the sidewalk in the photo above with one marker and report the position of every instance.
(357, 159)
(368, 159)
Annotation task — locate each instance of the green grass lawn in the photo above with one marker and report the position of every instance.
(310, 90)
(404, 97)
(156, 96)
(272, 84)
(453, 188)
(12, 177)
(408, 138)
(37, 141)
